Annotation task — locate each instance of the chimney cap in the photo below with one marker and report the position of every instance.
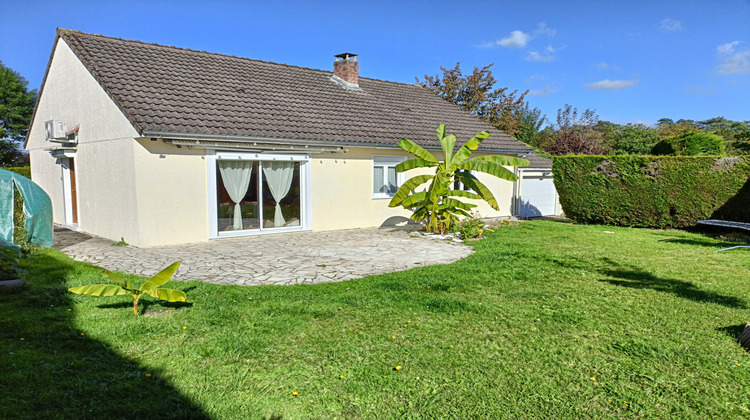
(346, 56)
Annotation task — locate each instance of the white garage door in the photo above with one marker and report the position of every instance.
(538, 196)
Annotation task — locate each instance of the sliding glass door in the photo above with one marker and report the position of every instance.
(255, 194)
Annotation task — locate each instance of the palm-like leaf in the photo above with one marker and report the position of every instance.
(504, 160)
(118, 279)
(447, 143)
(414, 163)
(99, 290)
(488, 167)
(481, 190)
(416, 150)
(462, 193)
(151, 285)
(407, 187)
(458, 204)
(420, 214)
(464, 152)
(414, 200)
(171, 295)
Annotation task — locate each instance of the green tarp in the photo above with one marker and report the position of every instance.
(37, 209)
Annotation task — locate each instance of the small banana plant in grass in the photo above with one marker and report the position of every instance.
(123, 287)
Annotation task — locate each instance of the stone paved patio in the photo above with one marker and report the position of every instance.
(284, 259)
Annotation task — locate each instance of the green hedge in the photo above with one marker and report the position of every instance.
(653, 191)
(21, 170)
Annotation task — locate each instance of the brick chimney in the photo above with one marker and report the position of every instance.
(346, 68)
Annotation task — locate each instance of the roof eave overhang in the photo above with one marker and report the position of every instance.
(303, 143)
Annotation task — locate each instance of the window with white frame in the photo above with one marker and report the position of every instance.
(253, 193)
(458, 185)
(385, 180)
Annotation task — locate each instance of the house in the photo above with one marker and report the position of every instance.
(163, 145)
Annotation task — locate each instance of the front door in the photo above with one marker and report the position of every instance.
(73, 198)
(70, 199)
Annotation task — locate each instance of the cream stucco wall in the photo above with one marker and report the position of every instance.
(342, 191)
(172, 197)
(343, 198)
(104, 155)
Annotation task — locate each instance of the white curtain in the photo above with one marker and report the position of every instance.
(236, 177)
(279, 179)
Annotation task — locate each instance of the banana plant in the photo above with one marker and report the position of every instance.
(438, 207)
(123, 287)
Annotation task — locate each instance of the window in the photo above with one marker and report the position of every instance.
(458, 185)
(385, 180)
(255, 193)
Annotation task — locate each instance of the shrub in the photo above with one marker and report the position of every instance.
(20, 170)
(690, 144)
(651, 191)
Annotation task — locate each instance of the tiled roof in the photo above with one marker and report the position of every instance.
(538, 162)
(173, 90)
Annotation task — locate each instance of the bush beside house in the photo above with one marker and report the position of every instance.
(20, 170)
(652, 191)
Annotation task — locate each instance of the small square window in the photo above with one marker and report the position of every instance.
(385, 180)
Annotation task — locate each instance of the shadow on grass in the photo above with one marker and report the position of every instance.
(144, 305)
(697, 242)
(733, 331)
(639, 279)
(50, 369)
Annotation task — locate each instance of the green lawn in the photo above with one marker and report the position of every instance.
(545, 320)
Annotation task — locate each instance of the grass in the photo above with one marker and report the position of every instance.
(545, 320)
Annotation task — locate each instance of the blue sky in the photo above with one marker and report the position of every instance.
(631, 61)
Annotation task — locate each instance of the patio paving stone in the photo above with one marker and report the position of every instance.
(283, 259)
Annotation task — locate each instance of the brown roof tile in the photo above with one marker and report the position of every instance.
(175, 90)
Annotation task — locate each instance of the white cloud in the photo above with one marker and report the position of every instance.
(602, 66)
(543, 29)
(547, 90)
(670, 25)
(728, 48)
(611, 84)
(535, 78)
(699, 90)
(516, 39)
(540, 57)
(732, 60)
(519, 39)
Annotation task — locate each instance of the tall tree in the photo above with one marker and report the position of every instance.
(476, 94)
(532, 121)
(668, 128)
(634, 139)
(576, 134)
(16, 106)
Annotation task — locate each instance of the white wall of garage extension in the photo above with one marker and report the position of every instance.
(536, 194)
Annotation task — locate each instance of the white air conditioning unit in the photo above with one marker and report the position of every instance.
(56, 130)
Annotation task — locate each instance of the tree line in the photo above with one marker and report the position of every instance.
(16, 107)
(575, 132)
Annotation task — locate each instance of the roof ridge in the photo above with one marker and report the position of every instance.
(61, 31)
